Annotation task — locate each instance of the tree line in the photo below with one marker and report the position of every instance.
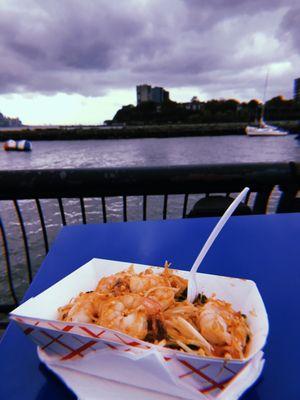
(211, 111)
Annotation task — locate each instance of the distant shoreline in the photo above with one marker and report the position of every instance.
(136, 132)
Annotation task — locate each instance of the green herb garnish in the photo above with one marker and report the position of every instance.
(200, 299)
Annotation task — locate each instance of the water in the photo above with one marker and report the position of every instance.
(109, 153)
(151, 152)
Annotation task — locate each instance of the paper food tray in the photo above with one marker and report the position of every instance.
(90, 387)
(77, 343)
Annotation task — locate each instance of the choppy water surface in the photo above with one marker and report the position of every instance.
(194, 150)
(109, 153)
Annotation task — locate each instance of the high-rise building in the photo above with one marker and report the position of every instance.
(156, 94)
(143, 93)
(159, 95)
(297, 90)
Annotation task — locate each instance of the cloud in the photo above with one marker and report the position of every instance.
(290, 27)
(92, 47)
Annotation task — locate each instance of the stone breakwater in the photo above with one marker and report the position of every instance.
(134, 132)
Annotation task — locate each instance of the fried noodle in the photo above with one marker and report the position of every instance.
(153, 307)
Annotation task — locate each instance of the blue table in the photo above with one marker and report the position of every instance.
(262, 248)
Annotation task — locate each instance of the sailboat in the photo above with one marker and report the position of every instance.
(264, 129)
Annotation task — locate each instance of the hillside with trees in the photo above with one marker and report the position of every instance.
(212, 111)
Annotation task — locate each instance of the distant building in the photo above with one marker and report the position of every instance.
(9, 122)
(159, 95)
(297, 90)
(14, 122)
(156, 94)
(193, 105)
(143, 93)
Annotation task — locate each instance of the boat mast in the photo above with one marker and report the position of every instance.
(264, 98)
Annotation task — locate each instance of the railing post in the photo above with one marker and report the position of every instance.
(261, 201)
(8, 264)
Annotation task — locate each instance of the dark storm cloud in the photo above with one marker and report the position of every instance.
(291, 27)
(89, 47)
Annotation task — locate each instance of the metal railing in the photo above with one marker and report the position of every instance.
(101, 184)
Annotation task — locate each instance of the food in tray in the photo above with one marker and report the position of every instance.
(153, 307)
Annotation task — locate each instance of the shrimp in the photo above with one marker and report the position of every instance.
(145, 281)
(212, 325)
(153, 307)
(163, 295)
(84, 308)
(129, 314)
(223, 327)
(116, 284)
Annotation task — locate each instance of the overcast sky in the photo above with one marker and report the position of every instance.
(75, 61)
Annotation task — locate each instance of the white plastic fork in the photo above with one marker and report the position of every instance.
(192, 291)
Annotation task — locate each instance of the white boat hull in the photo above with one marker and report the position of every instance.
(267, 131)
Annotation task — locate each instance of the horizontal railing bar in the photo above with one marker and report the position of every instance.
(135, 181)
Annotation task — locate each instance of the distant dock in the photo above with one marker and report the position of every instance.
(102, 132)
